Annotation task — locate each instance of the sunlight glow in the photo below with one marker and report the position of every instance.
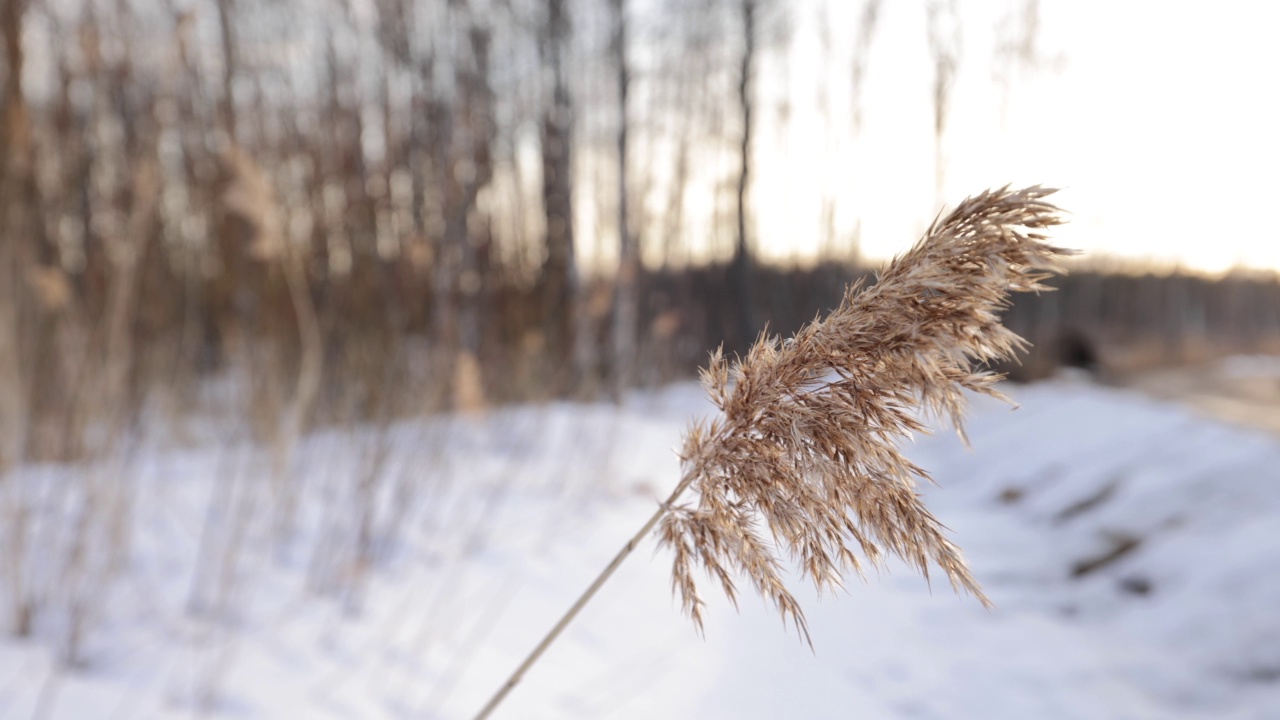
(1157, 120)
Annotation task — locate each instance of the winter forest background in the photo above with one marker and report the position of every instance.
(487, 200)
(233, 222)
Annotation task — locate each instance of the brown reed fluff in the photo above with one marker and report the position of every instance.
(806, 444)
(805, 447)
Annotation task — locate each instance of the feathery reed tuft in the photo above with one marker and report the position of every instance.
(806, 445)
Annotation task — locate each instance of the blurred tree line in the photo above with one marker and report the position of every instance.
(379, 206)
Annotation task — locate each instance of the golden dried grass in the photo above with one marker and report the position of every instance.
(803, 464)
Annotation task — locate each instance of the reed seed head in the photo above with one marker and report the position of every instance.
(802, 466)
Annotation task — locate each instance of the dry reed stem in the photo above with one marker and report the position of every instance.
(806, 447)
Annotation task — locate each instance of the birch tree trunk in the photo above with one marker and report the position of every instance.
(625, 292)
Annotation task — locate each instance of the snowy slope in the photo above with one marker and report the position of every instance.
(1130, 547)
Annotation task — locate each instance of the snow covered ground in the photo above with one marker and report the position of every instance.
(1244, 390)
(1130, 546)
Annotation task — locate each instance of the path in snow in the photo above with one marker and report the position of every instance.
(1241, 390)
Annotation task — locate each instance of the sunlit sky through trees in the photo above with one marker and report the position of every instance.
(1158, 120)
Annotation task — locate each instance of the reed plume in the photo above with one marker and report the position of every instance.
(806, 447)
(802, 464)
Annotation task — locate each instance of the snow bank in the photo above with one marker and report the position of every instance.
(1130, 548)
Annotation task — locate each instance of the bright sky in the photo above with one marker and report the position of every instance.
(1159, 121)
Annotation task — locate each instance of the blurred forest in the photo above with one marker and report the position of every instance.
(230, 223)
(365, 209)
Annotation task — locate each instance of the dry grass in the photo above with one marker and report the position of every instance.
(806, 446)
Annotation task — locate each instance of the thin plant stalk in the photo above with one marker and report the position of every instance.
(583, 599)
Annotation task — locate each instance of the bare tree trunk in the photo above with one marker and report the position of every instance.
(301, 404)
(13, 162)
(1017, 48)
(474, 151)
(689, 104)
(625, 300)
(740, 271)
(122, 297)
(227, 290)
(226, 12)
(944, 45)
(440, 228)
(867, 23)
(559, 274)
(13, 394)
